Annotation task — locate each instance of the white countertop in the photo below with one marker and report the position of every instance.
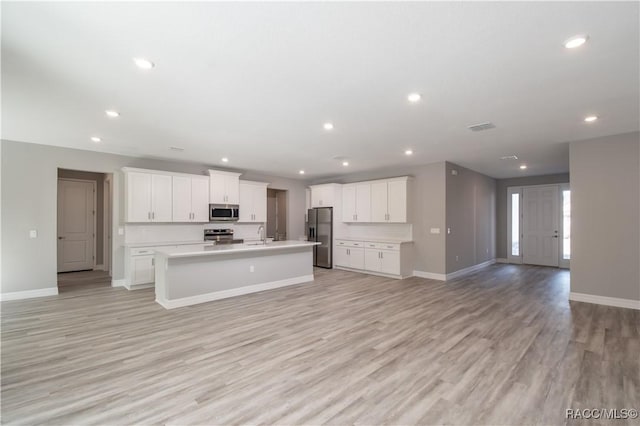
(167, 243)
(375, 240)
(231, 248)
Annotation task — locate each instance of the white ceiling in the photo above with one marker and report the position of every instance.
(256, 81)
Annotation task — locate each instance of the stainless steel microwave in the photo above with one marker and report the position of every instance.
(223, 212)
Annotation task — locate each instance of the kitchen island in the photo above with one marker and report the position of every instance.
(187, 276)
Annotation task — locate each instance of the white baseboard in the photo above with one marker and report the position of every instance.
(224, 294)
(119, 283)
(502, 260)
(470, 269)
(603, 300)
(430, 275)
(29, 294)
(99, 268)
(379, 274)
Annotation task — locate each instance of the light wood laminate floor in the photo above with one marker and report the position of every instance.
(500, 346)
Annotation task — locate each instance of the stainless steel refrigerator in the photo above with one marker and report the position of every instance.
(320, 229)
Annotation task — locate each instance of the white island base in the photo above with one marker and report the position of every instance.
(185, 276)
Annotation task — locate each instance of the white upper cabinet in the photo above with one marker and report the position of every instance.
(356, 202)
(138, 188)
(253, 201)
(389, 200)
(307, 204)
(148, 197)
(324, 195)
(224, 187)
(190, 199)
(200, 199)
(156, 196)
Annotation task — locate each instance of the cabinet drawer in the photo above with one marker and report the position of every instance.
(383, 246)
(142, 251)
(345, 243)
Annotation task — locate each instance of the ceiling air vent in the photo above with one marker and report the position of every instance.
(176, 148)
(481, 126)
(509, 157)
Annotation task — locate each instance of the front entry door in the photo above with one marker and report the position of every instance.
(75, 225)
(541, 225)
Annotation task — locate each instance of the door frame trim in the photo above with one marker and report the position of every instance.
(562, 263)
(95, 216)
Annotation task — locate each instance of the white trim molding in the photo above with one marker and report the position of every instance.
(430, 275)
(29, 294)
(224, 294)
(99, 267)
(502, 260)
(470, 269)
(603, 300)
(119, 283)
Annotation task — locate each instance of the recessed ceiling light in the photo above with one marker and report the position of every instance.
(414, 97)
(143, 63)
(328, 126)
(111, 113)
(523, 166)
(225, 160)
(408, 152)
(591, 118)
(576, 41)
(95, 139)
(301, 172)
(345, 163)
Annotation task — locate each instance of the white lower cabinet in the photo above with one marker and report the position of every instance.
(386, 258)
(143, 270)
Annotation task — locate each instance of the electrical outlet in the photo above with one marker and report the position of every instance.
(120, 230)
(252, 269)
(448, 230)
(33, 233)
(457, 258)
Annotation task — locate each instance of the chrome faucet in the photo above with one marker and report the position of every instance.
(261, 232)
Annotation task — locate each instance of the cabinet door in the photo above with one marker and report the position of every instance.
(181, 195)
(217, 189)
(259, 203)
(390, 262)
(316, 197)
(161, 205)
(349, 203)
(379, 202)
(232, 189)
(356, 258)
(397, 201)
(138, 197)
(143, 270)
(246, 202)
(372, 260)
(363, 202)
(199, 200)
(341, 257)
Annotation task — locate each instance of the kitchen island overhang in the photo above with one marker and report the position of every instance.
(185, 276)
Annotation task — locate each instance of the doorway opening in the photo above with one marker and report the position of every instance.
(84, 202)
(277, 214)
(539, 225)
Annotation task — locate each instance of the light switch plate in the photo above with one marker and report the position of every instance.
(435, 230)
(121, 231)
(33, 233)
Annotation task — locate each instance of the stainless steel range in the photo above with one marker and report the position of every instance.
(221, 236)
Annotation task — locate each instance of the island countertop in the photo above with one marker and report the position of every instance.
(187, 251)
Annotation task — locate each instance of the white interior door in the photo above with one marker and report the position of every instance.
(540, 221)
(76, 225)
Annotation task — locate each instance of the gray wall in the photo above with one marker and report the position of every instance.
(471, 216)
(29, 187)
(605, 216)
(426, 209)
(501, 203)
(98, 178)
